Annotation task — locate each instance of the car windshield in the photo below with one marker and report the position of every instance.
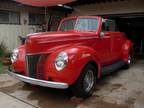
(80, 24)
(68, 25)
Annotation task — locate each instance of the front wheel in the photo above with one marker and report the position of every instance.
(84, 86)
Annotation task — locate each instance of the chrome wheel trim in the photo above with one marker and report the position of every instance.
(129, 59)
(88, 80)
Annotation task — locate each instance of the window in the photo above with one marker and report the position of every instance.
(4, 17)
(68, 25)
(8, 17)
(87, 24)
(36, 19)
(108, 25)
(80, 24)
(14, 18)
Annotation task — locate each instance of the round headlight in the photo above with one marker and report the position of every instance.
(14, 55)
(61, 61)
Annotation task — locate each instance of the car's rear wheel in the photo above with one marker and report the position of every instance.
(129, 62)
(84, 86)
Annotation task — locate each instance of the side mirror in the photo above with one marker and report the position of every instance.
(102, 34)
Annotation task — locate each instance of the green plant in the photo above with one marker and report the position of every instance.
(1, 67)
(3, 48)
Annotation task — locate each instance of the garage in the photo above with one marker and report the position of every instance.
(132, 25)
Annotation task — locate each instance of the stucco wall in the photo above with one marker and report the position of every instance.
(9, 32)
(115, 7)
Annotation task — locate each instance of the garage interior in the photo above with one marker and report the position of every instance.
(132, 25)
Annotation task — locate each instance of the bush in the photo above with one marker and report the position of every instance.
(3, 51)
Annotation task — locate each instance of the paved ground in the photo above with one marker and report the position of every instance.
(122, 89)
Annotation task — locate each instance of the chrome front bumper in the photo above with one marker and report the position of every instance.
(38, 82)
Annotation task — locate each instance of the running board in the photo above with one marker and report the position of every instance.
(113, 67)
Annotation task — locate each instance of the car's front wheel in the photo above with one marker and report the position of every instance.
(84, 86)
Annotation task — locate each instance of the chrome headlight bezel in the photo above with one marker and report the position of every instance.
(61, 61)
(14, 55)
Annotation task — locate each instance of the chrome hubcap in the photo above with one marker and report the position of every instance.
(88, 81)
(129, 59)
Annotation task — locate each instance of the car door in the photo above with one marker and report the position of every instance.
(103, 46)
(116, 41)
(105, 49)
(116, 46)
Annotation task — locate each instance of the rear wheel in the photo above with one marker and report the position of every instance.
(129, 62)
(84, 86)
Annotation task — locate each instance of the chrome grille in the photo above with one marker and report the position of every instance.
(32, 61)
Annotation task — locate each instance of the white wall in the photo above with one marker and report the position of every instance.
(115, 7)
(8, 32)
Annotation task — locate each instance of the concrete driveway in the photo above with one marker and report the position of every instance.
(122, 89)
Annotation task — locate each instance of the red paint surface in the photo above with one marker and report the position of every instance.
(42, 3)
(81, 47)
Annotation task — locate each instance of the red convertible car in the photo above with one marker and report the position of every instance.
(75, 56)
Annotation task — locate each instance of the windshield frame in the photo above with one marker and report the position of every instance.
(77, 18)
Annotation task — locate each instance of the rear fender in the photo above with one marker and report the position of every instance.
(126, 49)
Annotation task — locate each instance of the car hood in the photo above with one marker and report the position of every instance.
(43, 42)
(51, 36)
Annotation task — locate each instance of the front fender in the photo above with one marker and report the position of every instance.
(19, 65)
(79, 56)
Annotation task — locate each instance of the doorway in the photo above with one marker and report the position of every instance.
(133, 26)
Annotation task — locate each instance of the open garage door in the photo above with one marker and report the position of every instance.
(133, 26)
